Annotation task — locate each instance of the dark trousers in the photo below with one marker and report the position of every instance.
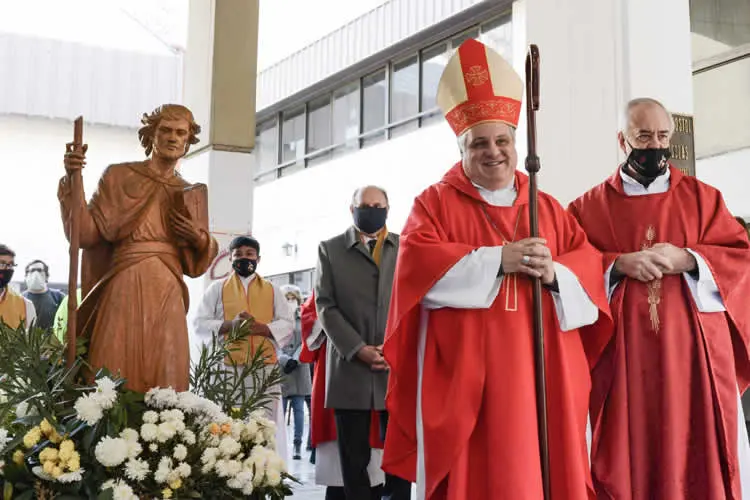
(335, 493)
(353, 436)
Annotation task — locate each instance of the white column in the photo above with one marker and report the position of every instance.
(595, 56)
(219, 80)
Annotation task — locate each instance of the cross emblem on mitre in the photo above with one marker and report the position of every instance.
(476, 76)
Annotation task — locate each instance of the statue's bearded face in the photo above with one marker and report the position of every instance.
(171, 138)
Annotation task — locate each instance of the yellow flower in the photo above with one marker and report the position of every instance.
(18, 457)
(48, 467)
(48, 454)
(74, 463)
(45, 427)
(55, 437)
(64, 454)
(176, 484)
(166, 493)
(57, 472)
(32, 437)
(67, 445)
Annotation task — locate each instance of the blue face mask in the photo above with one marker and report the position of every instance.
(370, 220)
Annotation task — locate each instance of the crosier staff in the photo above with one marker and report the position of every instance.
(532, 167)
(75, 156)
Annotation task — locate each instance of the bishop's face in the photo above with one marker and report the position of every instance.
(489, 157)
(171, 138)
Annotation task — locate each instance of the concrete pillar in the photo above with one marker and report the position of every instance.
(595, 56)
(219, 87)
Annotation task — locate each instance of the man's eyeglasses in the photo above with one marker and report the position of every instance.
(4, 265)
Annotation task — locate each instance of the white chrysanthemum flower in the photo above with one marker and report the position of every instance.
(134, 448)
(153, 447)
(130, 435)
(188, 437)
(137, 470)
(150, 417)
(105, 394)
(237, 429)
(250, 429)
(184, 470)
(161, 398)
(122, 491)
(88, 409)
(248, 489)
(228, 468)
(229, 447)
(22, 409)
(273, 477)
(107, 485)
(163, 470)
(71, 477)
(180, 452)
(166, 432)
(149, 432)
(260, 438)
(210, 455)
(111, 452)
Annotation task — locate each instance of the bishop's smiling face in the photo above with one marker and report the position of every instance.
(489, 155)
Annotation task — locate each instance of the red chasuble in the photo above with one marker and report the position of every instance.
(664, 397)
(478, 398)
(323, 427)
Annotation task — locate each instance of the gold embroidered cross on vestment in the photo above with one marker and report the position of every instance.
(654, 286)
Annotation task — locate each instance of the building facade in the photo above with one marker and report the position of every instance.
(358, 106)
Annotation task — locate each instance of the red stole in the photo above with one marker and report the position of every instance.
(478, 404)
(664, 396)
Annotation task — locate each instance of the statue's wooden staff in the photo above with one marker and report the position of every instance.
(76, 154)
(532, 167)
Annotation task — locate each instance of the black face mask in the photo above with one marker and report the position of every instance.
(648, 164)
(244, 267)
(370, 220)
(5, 276)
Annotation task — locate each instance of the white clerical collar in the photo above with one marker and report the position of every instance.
(246, 281)
(634, 188)
(503, 197)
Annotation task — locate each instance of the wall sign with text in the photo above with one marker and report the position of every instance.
(682, 144)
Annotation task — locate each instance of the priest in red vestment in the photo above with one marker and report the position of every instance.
(665, 412)
(459, 339)
(323, 430)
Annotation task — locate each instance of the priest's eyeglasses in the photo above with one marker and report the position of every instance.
(5, 265)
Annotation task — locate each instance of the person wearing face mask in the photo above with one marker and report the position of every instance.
(297, 386)
(353, 289)
(245, 295)
(15, 310)
(46, 300)
(665, 403)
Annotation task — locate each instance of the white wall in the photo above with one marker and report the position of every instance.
(730, 174)
(31, 165)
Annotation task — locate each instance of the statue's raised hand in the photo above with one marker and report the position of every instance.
(75, 158)
(184, 228)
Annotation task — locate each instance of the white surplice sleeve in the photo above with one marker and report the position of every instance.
(316, 337)
(282, 325)
(210, 315)
(472, 283)
(704, 290)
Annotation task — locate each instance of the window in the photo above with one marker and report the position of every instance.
(498, 34)
(346, 118)
(373, 106)
(319, 128)
(719, 26)
(404, 94)
(266, 139)
(293, 136)
(434, 60)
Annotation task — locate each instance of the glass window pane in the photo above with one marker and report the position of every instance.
(266, 139)
(404, 89)
(374, 101)
(498, 34)
(721, 122)
(293, 135)
(319, 124)
(434, 60)
(346, 116)
(718, 26)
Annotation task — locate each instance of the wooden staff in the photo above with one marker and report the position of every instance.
(75, 183)
(532, 167)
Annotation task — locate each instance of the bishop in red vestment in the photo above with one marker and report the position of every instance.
(459, 339)
(667, 424)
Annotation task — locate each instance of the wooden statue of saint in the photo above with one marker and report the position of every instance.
(143, 229)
